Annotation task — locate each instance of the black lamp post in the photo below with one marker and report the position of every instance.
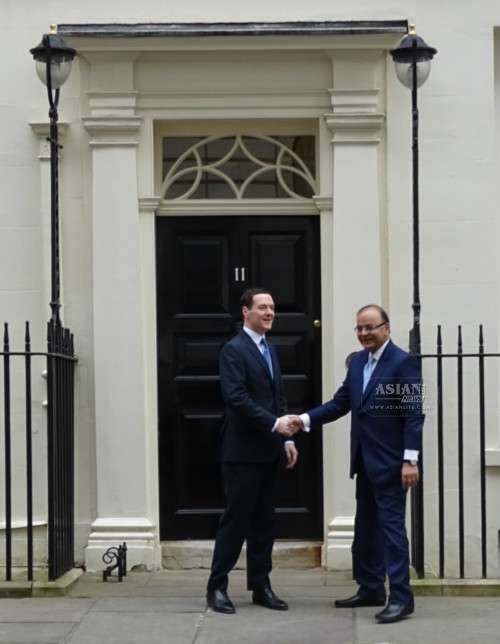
(412, 59)
(53, 66)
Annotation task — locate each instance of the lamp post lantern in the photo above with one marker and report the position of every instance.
(412, 59)
(53, 65)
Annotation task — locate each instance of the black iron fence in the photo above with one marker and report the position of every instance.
(455, 434)
(455, 430)
(60, 361)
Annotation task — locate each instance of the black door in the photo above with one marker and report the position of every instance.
(203, 266)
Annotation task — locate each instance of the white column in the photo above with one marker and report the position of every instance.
(353, 238)
(126, 474)
(147, 216)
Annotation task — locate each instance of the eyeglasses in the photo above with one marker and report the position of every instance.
(368, 327)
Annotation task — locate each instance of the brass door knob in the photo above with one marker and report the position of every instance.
(317, 324)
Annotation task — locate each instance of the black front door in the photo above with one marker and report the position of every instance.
(203, 266)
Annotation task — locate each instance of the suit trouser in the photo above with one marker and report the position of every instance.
(380, 543)
(249, 514)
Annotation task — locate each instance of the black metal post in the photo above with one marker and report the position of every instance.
(440, 454)
(55, 299)
(417, 498)
(460, 451)
(411, 51)
(29, 455)
(415, 340)
(8, 459)
(482, 455)
(53, 59)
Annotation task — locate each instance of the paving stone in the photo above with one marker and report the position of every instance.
(44, 610)
(136, 628)
(150, 605)
(170, 608)
(33, 633)
(443, 621)
(308, 622)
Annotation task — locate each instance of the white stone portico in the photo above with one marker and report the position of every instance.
(137, 90)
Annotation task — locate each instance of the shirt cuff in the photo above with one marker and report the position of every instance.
(410, 455)
(289, 442)
(307, 422)
(275, 426)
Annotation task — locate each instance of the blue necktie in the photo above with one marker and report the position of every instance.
(267, 356)
(368, 370)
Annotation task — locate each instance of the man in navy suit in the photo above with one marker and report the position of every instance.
(253, 445)
(383, 391)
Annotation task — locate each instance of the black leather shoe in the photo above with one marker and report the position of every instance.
(394, 611)
(218, 601)
(266, 597)
(360, 599)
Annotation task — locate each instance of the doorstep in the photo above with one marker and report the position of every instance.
(189, 554)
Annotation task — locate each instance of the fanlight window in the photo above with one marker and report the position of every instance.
(239, 167)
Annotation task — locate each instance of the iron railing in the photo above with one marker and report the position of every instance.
(60, 457)
(447, 431)
(442, 431)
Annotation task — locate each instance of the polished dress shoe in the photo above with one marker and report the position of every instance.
(266, 597)
(218, 601)
(394, 611)
(360, 599)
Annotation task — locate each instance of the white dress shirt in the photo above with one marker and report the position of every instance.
(257, 337)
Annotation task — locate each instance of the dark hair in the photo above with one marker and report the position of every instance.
(383, 314)
(247, 298)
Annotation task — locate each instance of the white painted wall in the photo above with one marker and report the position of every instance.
(458, 179)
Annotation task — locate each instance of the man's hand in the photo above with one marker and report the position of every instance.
(289, 425)
(296, 422)
(292, 454)
(409, 475)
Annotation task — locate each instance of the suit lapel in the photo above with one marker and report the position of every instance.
(358, 374)
(255, 351)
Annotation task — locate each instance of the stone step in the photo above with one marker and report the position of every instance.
(177, 555)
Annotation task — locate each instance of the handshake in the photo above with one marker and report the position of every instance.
(289, 425)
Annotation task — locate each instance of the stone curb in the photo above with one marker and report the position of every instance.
(421, 587)
(58, 588)
(456, 587)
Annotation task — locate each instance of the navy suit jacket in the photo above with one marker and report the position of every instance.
(386, 419)
(253, 402)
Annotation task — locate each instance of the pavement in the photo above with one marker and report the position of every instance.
(168, 607)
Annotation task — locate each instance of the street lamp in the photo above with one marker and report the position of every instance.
(53, 65)
(412, 59)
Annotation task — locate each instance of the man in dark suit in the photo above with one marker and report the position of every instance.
(253, 445)
(383, 391)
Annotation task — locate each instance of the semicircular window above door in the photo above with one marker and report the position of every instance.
(239, 167)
